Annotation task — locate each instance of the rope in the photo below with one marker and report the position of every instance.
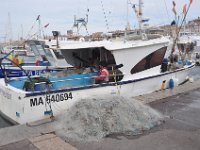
(114, 76)
(47, 92)
(179, 29)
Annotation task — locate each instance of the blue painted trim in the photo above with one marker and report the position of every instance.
(103, 84)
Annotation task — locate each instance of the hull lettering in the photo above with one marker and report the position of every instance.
(55, 98)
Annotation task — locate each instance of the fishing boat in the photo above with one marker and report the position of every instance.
(140, 72)
(45, 59)
(188, 45)
(19, 50)
(190, 37)
(136, 66)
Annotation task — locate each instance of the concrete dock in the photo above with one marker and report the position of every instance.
(181, 130)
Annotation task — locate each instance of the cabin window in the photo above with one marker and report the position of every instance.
(91, 56)
(48, 53)
(20, 53)
(152, 60)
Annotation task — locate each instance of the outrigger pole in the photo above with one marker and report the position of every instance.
(179, 29)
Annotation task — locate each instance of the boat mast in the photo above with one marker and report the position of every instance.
(179, 29)
(140, 16)
(22, 32)
(127, 22)
(39, 27)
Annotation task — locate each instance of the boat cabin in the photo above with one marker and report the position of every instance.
(44, 54)
(132, 56)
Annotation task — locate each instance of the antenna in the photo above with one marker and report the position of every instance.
(39, 28)
(82, 22)
(127, 12)
(139, 14)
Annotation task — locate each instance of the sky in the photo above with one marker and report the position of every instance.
(17, 17)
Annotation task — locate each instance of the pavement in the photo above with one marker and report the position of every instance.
(43, 142)
(180, 130)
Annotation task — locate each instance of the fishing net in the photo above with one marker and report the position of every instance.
(92, 119)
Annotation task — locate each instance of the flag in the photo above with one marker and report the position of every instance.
(184, 9)
(38, 17)
(191, 1)
(46, 25)
(174, 7)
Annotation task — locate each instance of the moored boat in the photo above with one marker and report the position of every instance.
(45, 59)
(136, 66)
(140, 72)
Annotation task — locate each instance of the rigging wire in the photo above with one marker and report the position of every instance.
(166, 8)
(105, 17)
(30, 30)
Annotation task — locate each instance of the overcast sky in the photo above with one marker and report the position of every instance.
(60, 14)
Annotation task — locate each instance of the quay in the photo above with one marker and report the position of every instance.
(181, 130)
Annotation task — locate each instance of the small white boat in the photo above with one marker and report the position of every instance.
(19, 50)
(140, 72)
(45, 59)
(190, 37)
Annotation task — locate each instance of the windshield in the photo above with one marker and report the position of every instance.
(48, 53)
(40, 49)
(58, 54)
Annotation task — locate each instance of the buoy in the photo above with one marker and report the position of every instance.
(171, 83)
(163, 85)
(37, 63)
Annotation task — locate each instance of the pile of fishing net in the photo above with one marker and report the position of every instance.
(92, 119)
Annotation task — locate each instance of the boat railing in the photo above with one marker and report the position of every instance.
(143, 37)
(74, 82)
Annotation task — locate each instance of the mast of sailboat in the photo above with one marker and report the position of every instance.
(22, 32)
(9, 30)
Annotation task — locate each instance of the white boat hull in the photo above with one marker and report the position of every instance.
(25, 107)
